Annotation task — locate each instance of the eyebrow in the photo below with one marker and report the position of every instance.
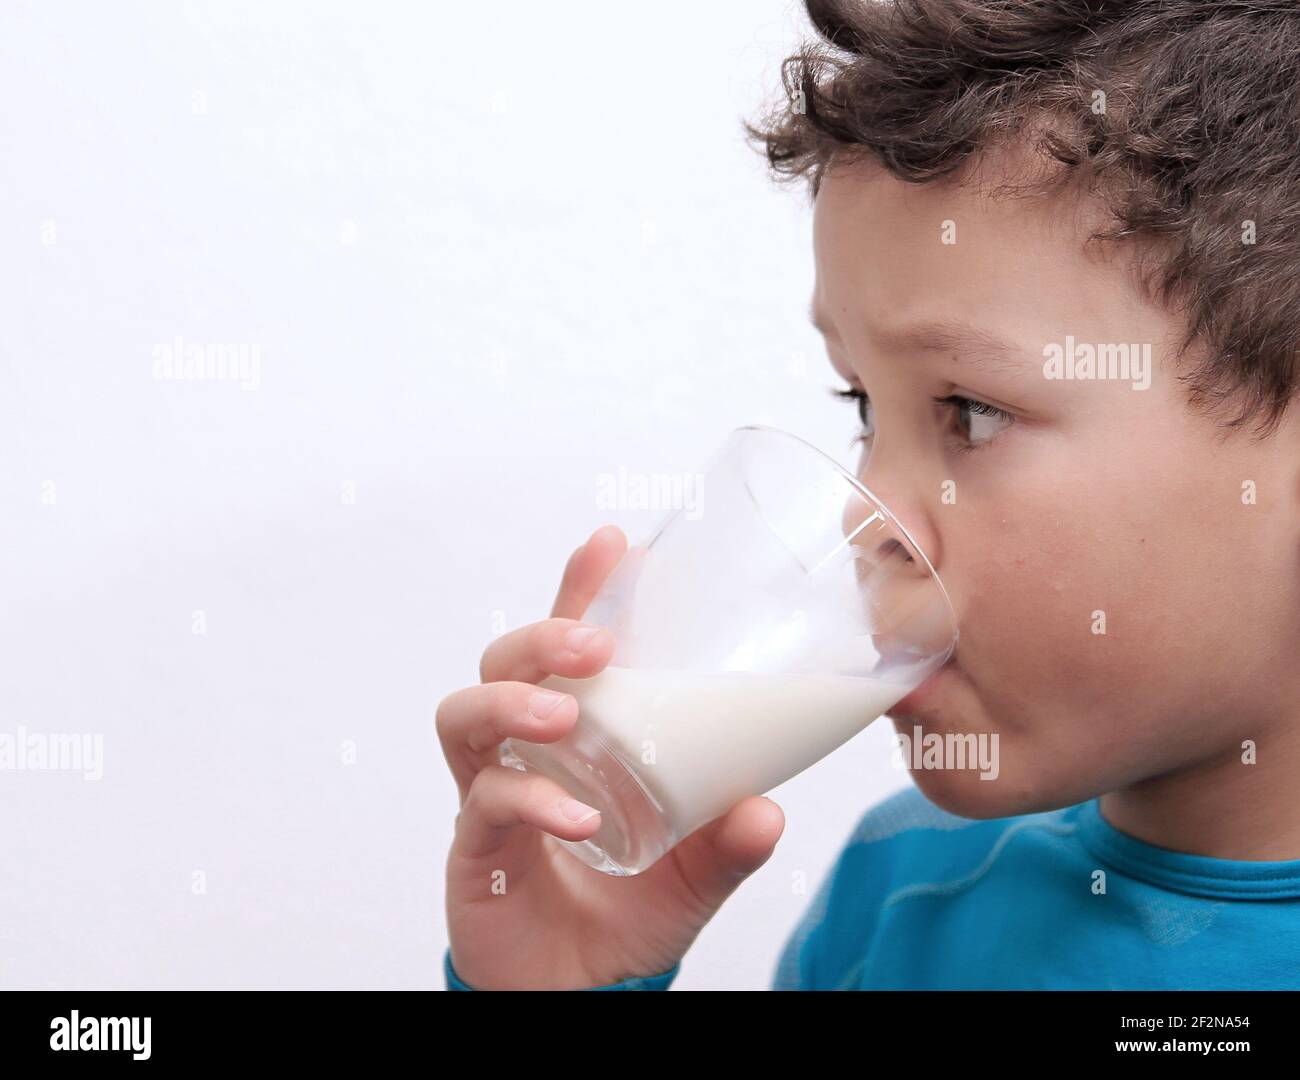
(969, 344)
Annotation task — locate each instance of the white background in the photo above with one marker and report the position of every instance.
(487, 253)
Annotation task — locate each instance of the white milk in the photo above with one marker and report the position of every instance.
(700, 742)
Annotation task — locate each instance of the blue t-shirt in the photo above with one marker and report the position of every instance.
(922, 899)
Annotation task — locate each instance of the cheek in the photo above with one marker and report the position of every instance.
(1141, 533)
(1030, 613)
(1063, 609)
(1117, 605)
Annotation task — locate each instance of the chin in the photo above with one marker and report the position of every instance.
(968, 791)
(962, 792)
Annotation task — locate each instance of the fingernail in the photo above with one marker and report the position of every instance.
(575, 811)
(543, 703)
(580, 637)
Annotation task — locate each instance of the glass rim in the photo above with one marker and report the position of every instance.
(879, 504)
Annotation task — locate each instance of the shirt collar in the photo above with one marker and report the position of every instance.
(1200, 875)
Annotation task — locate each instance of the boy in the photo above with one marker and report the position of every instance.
(1056, 245)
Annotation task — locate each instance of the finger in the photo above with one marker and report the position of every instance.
(472, 722)
(503, 801)
(711, 863)
(552, 647)
(587, 569)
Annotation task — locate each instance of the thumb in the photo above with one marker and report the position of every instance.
(717, 857)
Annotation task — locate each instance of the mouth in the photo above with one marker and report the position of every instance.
(925, 695)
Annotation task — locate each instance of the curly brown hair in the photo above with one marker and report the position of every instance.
(1182, 116)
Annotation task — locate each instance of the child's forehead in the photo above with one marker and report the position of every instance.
(939, 211)
(900, 247)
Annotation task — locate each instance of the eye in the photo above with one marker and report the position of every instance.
(979, 421)
(864, 407)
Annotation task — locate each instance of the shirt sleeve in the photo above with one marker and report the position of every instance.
(795, 970)
(648, 982)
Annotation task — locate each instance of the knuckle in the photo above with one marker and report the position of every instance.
(442, 715)
(538, 788)
(490, 792)
(475, 792)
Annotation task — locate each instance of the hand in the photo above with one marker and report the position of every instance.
(522, 912)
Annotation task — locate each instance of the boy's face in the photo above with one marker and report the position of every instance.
(1093, 500)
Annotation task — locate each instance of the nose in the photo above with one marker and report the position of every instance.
(911, 536)
(908, 610)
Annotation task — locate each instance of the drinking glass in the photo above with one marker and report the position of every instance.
(755, 631)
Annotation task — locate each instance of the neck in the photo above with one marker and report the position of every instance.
(1220, 807)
